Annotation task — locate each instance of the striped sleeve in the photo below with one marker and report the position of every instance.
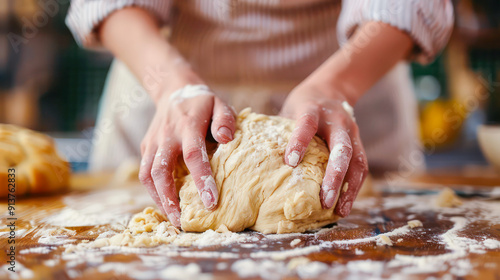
(85, 15)
(428, 22)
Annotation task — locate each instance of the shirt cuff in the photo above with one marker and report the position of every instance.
(428, 22)
(85, 15)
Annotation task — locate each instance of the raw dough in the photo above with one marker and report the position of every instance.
(448, 198)
(148, 228)
(415, 223)
(38, 167)
(257, 189)
(384, 240)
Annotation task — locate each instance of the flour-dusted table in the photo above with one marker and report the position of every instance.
(461, 242)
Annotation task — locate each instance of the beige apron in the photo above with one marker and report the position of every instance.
(386, 116)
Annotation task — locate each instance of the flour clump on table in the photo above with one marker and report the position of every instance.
(257, 189)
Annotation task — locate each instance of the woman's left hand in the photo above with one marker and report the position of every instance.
(327, 113)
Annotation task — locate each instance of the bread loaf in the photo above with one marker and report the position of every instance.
(34, 161)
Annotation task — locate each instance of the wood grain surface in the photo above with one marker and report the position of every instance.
(454, 243)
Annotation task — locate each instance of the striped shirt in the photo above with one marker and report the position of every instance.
(272, 40)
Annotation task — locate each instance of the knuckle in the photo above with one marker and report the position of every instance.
(342, 134)
(157, 172)
(361, 162)
(191, 154)
(229, 111)
(347, 149)
(343, 122)
(228, 119)
(187, 120)
(309, 122)
(223, 120)
(143, 147)
(144, 176)
(300, 142)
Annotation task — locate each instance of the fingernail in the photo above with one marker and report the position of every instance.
(346, 209)
(175, 218)
(293, 158)
(209, 194)
(225, 133)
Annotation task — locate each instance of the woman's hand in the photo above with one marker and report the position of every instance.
(179, 126)
(330, 116)
(322, 104)
(184, 108)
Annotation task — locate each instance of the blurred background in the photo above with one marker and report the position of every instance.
(48, 83)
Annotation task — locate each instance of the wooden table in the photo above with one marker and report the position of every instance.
(461, 242)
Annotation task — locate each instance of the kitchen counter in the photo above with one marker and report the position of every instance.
(461, 242)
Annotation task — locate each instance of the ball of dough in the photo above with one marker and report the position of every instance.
(38, 167)
(257, 190)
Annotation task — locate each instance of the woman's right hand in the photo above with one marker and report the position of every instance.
(180, 125)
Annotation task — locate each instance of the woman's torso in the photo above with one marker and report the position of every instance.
(255, 42)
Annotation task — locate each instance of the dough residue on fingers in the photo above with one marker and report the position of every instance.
(348, 108)
(188, 92)
(293, 158)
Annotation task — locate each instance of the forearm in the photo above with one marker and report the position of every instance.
(133, 36)
(370, 53)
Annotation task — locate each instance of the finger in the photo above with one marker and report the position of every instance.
(145, 174)
(161, 172)
(223, 124)
(305, 129)
(338, 163)
(358, 170)
(196, 159)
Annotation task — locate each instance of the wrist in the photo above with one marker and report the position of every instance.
(331, 90)
(164, 70)
(174, 79)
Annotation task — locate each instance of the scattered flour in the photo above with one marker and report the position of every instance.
(268, 269)
(273, 264)
(366, 266)
(295, 242)
(83, 211)
(55, 236)
(190, 271)
(295, 262)
(222, 265)
(36, 250)
(311, 270)
(459, 247)
(358, 252)
(21, 272)
(51, 263)
(19, 233)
